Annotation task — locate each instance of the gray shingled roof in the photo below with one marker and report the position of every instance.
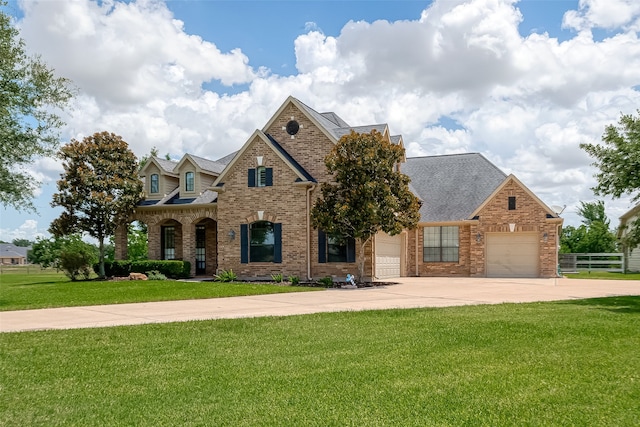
(395, 139)
(359, 129)
(333, 117)
(166, 165)
(208, 165)
(9, 250)
(227, 159)
(451, 187)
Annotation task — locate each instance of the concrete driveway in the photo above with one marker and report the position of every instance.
(410, 292)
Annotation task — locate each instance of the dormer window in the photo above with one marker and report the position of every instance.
(189, 179)
(154, 184)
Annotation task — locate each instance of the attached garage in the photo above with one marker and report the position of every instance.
(512, 255)
(388, 256)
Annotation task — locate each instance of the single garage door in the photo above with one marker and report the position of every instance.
(388, 254)
(512, 255)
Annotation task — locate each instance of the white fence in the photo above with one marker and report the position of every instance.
(613, 262)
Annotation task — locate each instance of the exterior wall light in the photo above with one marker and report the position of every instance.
(478, 237)
(231, 234)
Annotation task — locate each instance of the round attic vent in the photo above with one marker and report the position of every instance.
(293, 127)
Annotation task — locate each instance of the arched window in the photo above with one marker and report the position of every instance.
(189, 178)
(155, 184)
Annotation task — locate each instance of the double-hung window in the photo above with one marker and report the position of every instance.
(260, 177)
(333, 249)
(441, 244)
(190, 178)
(168, 242)
(261, 241)
(155, 184)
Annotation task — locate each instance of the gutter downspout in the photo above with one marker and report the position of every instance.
(417, 267)
(309, 190)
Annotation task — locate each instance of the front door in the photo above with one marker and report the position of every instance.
(201, 251)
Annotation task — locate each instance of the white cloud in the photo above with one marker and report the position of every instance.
(525, 102)
(27, 230)
(609, 14)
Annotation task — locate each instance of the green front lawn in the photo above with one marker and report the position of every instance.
(544, 364)
(605, 275)
(20, 291)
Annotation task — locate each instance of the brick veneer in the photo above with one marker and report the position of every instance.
(494, 217)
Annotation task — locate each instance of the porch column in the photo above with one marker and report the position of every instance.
(153, 241)
(120, 242)
(189, 245)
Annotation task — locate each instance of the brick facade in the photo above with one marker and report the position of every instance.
(493, 217)
(289, 198)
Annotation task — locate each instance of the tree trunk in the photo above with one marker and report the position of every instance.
(101, 272)
(361, 259)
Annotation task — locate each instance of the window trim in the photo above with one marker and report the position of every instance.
(323, 249)
(189, 176)
(440, 248)
(168, 242)
(245, 243)
(154, 177)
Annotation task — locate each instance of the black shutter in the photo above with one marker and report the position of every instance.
(277, 242)
(244, 243)
(351, 249)
(252, 177)
(268, 177)
(322, 247)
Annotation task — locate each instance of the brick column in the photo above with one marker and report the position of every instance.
(120, 242)
(189, 245)
(153, 241)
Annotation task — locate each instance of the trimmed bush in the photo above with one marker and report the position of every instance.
(173, 269)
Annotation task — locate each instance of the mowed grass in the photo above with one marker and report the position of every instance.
(543, 364)
(604, 275)
(19, 291)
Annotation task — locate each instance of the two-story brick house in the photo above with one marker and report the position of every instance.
(250, 211)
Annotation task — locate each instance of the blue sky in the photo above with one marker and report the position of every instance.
(522, 82)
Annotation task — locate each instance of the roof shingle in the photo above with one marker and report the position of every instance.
(451, 187)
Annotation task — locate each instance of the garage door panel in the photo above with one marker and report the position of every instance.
(512, 255)
(388, 254)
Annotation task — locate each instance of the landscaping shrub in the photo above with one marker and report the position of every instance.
(278, 278)
(225, 276)
(76, 258)
(155, 275)
(294, 280)
(173, 269)
(326, 281)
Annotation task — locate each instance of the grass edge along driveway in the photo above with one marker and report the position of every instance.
(554, 363)
(20, 291)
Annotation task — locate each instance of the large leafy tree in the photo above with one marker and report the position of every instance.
(99, 188)
(368, 193)
(30, 97)
(618, 161)
(593, 236)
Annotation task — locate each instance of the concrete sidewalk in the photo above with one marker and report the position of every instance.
(410, 292)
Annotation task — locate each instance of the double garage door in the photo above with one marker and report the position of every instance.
(512, 255)
(388, 254)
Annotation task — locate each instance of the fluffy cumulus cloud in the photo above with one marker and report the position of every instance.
(458, 78)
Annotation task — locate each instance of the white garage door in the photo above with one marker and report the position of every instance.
(512, 255)
(388, 254)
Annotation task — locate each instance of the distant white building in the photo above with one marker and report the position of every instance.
(631, 254)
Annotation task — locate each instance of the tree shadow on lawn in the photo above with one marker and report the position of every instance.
(619, 304)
